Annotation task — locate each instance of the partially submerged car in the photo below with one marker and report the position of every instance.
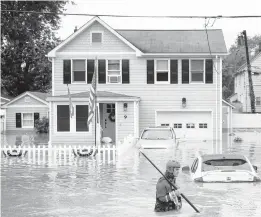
(223, 168)
(157, 138)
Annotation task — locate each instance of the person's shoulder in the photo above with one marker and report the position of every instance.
(162, 180)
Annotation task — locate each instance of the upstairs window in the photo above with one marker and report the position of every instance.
(197, 71)
(162, 71)
(258, 100)
(96, 37)
(114, 73)
(79, 71)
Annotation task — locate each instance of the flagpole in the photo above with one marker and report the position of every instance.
(95, 100)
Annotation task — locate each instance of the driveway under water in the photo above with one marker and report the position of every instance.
(127, 188)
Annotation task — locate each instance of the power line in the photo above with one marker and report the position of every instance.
(135, 16)
(205, 25)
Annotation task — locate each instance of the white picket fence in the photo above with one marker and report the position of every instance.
(63, 154)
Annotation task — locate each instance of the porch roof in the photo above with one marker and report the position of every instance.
(101, 96)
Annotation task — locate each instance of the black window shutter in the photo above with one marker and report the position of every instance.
(173, 71)
(67, 71)
(90, 70)
(18, 120)
(185, 71)
(209, 71)
(102, 71)
(125, 72)
(150, 71)
(36, 117)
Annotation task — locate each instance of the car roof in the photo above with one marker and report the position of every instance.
(206, 157)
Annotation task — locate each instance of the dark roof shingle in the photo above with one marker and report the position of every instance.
(176, 41)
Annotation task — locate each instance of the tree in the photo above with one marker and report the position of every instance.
(235, 59)
(25, 40)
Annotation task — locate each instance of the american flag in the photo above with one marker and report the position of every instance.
(92, 94)
(70, 103)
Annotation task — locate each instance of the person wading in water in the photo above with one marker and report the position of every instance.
(166, 197)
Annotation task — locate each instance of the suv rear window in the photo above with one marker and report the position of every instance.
(155, 134)
(226, 164)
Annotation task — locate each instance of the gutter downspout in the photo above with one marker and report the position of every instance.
(220, 101)
(216, 101)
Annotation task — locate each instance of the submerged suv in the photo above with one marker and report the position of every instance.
(157, 138)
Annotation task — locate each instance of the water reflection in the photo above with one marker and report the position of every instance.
(88, 187)
(17, 138)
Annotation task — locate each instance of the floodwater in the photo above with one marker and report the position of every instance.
(91, 188)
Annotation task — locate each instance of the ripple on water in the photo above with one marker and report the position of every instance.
(127, 188)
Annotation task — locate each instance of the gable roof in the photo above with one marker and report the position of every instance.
(34, 94)
(162, 41)
(177, 41)
(85, 26)
(243, 67)
(100, 94)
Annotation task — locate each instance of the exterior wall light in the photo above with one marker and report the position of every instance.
(184, 102)
(125, 106)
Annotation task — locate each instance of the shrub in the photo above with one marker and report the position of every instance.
(42, 125)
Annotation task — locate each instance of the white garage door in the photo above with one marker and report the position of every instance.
(189, 125)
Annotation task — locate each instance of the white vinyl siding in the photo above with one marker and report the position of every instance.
(11, 116)
(156, 97)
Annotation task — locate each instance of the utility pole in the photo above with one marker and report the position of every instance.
(251, 90)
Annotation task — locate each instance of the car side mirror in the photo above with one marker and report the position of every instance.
(186, 169)
(255, 167)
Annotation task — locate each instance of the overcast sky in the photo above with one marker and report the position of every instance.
(231, 27)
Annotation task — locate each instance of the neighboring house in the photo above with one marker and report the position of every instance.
(4, 99)
(25, 109)
(146, 77)
(242, 87)
(227, 116)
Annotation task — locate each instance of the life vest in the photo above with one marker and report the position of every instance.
(166, 206)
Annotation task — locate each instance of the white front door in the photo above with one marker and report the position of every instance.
(189, 125)
(108, 124)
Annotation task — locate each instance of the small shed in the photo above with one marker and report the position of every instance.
(227, 109)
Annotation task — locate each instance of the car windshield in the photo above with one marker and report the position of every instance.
(225, 164)
(156, 134)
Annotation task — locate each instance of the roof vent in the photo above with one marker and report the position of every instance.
(75, 29)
